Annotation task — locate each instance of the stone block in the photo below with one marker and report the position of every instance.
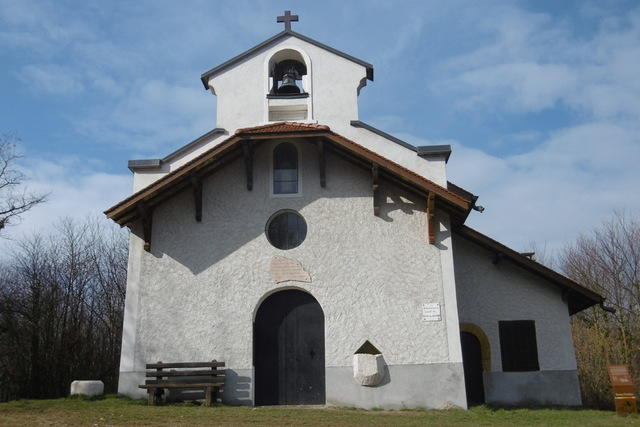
(87, 388)
(285, 269)
(368, 369)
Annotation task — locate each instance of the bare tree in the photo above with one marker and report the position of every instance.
(607, 261)
(15, 199)
(542, 254)
(61, 308)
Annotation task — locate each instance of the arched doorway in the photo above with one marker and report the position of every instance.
(288, 350)
(472, 363)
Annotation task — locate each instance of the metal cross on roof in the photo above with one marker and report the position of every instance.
(288, 18)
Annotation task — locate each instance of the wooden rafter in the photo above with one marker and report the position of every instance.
(247, 152)
(375, 184)
(322, 163)
(146, 215)
(431, 217)
(196, 186)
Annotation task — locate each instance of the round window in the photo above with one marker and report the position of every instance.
(286, 229)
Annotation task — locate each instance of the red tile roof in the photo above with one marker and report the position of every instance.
(282, 127)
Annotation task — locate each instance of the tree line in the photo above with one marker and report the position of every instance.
(607, 261)
(61, 307)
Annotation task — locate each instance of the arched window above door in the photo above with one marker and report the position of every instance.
(285, 169)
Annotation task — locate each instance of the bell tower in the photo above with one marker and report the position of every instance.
(288, 77)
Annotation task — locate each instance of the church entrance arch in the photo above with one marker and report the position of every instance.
(288, 350)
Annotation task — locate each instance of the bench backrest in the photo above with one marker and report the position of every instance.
(188, 369)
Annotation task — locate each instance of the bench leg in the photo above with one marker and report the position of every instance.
(151, 396)
(208, 396)
(154, 396)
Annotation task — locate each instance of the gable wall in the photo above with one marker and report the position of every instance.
(241, 90)
(488, 293)
(198, 289)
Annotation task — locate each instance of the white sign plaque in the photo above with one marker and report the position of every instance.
(431, 312)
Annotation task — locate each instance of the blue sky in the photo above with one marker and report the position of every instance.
(540, 100)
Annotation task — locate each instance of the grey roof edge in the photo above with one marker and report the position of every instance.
(462, 192)
(435, 150)
(134, 165)
(422, 151)
(196, 141)
(363, 125)
(139, 164)
(208, 74)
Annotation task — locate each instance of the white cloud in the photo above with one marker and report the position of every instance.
(52, 79)
(564, 187)
(521, 86)
(75, 190)
(41, 26)
(150, 117)
(530, 62)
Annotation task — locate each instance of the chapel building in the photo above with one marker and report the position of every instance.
(328, 262)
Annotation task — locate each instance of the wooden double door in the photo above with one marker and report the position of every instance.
(288, 350)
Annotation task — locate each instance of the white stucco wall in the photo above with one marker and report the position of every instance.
(488, 293)
(199, 287)
(144, 177)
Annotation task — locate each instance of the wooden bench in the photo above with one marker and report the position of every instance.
(210, 379)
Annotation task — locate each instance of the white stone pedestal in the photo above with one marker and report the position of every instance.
(87, 388)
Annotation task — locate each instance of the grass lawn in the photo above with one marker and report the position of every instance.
(121, 411)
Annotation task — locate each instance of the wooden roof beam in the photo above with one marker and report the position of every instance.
(247, 154)
(322, 163)
(196, 186)
(375, 185)
(146, 216)
(431, 217)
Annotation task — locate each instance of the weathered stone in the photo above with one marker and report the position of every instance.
(285, 269)
(87, 388)
(368, 369)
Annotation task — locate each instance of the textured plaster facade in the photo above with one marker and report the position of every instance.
(197, 291)
(488, 293)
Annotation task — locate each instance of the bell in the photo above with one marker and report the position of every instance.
(288, 85)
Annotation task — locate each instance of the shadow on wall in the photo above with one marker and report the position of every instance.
(236, 391)
(232, 216)
(386, 377)
(393, 201)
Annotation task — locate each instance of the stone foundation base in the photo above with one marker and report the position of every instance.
(537, 388)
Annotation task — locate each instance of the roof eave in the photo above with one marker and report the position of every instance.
(122, 211)
(579, 297)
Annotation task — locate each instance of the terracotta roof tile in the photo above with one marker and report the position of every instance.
(282, 127)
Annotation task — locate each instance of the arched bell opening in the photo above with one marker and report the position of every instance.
(287, 72)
